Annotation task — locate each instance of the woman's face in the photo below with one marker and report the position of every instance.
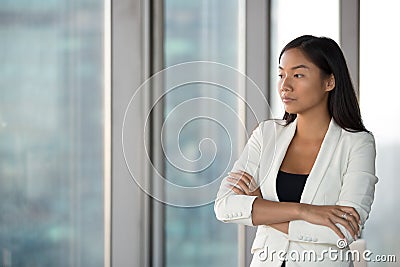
(301, 86)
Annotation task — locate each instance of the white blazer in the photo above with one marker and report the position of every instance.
(343, 174)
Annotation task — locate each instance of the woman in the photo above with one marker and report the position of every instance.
(306, 181)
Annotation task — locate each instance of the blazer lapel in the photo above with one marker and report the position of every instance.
(283, 140)
(322, 162)
(319, 168)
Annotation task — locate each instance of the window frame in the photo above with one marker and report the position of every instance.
(133, 51)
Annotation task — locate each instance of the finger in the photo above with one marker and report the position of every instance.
(354, 217)
(354, 224)
(233, 182)
(240, 175)
(252, 189)
(349, 227)
(239, 183)
(247, 175)
(244, 186)
(345, 223)
(244, 175)
(249, 178)
(352, 211)
(336, 229)
(236, 190)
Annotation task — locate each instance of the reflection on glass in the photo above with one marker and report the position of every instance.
(51, 149)
(291, 19)
(379, 94)
(199, 30)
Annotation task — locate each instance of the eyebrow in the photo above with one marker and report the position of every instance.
(297, 67)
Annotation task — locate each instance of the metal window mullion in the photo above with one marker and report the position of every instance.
(146, 231)
(128, 202)
(257, 67)
(242, 8)
(350, 37)
(107, 130)
(156, 61)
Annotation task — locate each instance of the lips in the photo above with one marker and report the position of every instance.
(286, 99)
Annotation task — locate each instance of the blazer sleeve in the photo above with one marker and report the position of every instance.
(358, 189)
(230, 207)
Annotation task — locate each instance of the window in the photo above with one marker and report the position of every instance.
(378, 101)
(199, 30)
(51, 133)
(291, 19)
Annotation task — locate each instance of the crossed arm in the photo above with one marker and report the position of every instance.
(279, 214)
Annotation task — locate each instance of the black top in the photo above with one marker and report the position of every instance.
(289, 186)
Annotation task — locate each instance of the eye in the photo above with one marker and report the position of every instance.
(298, 75)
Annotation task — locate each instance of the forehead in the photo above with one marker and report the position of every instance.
(295, 57)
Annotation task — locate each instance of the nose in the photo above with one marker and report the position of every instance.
(285, 85)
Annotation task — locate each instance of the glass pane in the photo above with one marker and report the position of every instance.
(199, 30)
(379, 93)
(51, 124)
(291, 19)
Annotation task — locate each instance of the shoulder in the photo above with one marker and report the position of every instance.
(359, 141)
(268, 129)
(272, 124)
(357, 137)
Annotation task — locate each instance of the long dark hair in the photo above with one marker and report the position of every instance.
(326, 54)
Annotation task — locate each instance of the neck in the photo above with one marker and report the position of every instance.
(313, 126)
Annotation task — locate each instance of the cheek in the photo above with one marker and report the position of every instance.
(315, 97)
(313, 90)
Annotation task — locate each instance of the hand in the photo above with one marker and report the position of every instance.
(330, 215)
(243, 183)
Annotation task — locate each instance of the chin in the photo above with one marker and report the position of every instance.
(291, 111)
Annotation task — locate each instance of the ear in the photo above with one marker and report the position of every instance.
(330, 83)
